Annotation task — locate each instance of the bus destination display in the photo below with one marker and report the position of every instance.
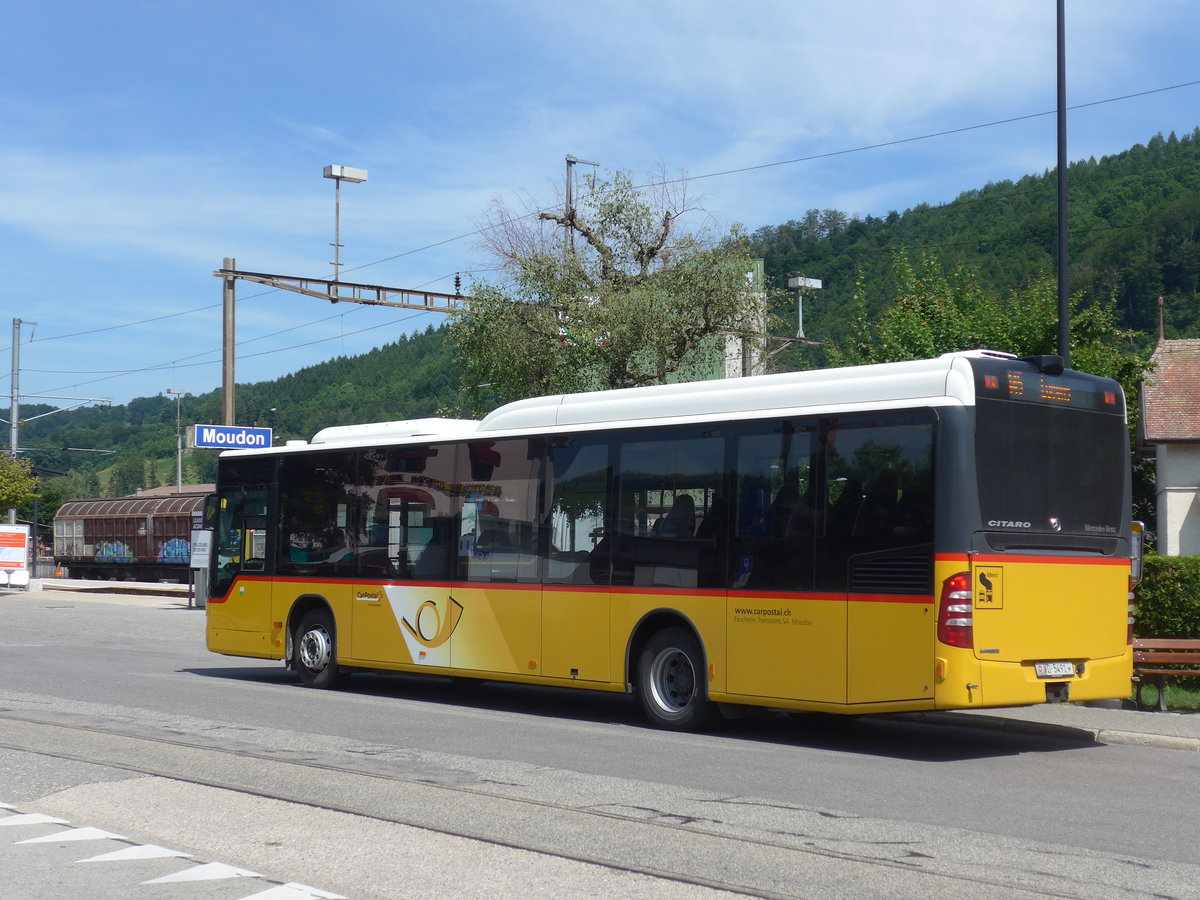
(1007, 382)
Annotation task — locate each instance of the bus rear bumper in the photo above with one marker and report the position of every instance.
(1019, 683)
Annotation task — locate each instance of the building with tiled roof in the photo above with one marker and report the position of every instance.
(1170, 422)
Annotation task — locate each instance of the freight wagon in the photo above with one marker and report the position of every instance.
(127, 538)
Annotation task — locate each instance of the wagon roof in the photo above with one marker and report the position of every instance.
(176, 505)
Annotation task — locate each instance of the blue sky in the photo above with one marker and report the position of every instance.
(143, 142)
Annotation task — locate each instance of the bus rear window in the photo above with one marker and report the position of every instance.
(1050, 469)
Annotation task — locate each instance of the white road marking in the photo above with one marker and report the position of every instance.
(206, 872)
(32, 819)
(75, 834)
(141, 851)
(294, 891)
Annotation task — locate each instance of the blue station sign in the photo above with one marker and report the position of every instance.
(229, 437)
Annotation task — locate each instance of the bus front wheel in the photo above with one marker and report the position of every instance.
(671, 684)
(314, 654)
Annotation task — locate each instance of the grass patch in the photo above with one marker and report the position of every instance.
(1182, 693)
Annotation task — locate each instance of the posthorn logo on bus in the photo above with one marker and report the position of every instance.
(228, 437)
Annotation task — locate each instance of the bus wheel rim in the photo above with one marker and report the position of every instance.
(672, 681)
(316, 649)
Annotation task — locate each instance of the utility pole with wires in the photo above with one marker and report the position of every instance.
(334, 290)
(14, 421)
(321, 289)
(569, 212)
(1064, 287)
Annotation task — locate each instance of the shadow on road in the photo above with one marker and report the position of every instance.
(891, 736)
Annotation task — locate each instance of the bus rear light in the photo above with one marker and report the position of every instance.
(1129, 627)
(955, 615)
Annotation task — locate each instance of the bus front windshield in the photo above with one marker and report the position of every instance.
(241, 536)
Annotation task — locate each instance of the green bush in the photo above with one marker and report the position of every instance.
(1167, 603)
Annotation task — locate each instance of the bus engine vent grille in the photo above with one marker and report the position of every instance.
(905, 571)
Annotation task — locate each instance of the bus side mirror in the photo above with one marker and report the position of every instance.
(1136, 551)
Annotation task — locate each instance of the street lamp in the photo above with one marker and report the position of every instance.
(340, 174)
(800, 284)
(178, 395)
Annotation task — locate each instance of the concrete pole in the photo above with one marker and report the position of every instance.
(569, 244)
(228, 386)
(14, 410)
(337, 229)
(1064, 287)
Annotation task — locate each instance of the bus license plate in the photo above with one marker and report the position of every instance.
(1054, 669)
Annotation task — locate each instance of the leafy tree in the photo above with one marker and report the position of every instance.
(1133, 236)
(127, 477)
(935, 312)
(16, 482)
(626, 300)
(202, 466)
(49, 499)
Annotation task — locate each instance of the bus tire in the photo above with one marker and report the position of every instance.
(314, 651)
(670, 681)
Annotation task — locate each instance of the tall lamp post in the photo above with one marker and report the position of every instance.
(800, 284)
(178, 395)
(340, 174)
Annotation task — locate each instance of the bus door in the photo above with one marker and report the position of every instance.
(238, 602)
(403, 610)
(878, 547)
(493, 618)
(399, 530)
(786, 639)
(576, 595)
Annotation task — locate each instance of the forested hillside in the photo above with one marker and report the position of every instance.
(414, 377)
(1134, 221)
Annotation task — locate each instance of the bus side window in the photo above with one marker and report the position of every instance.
(879, 503)
(318, 512)
(499, 532)
(254, 545)
(774, 526)
(579, 552)
(667, 483)
(410, 508)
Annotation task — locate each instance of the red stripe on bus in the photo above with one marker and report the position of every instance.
(997, 558)
(739, 596)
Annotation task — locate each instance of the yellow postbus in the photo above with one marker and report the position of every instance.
(940, 534)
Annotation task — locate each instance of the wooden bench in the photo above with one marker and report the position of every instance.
(1160, 658)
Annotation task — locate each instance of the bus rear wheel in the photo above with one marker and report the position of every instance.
(670, 681)
(314, 653)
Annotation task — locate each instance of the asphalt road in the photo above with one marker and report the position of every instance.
(113, 715)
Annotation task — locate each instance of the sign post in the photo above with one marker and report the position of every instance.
(201, 554)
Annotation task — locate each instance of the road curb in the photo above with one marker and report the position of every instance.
(1063, 732)
(1167, 741)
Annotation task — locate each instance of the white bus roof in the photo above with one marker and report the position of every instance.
(941, 381)
(882, 384)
